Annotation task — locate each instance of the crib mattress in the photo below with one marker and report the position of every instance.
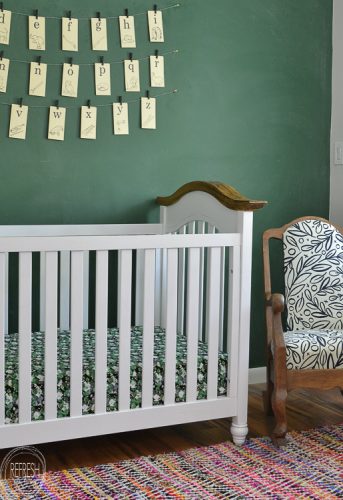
(63, 372)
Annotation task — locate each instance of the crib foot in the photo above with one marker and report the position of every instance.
(239, 433)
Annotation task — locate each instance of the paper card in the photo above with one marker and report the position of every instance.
(5, 26)
(37, 85)
(121, 118)
(70, 34)
(127, 32)
(99, 33)
(155, 26)
(57, 118)
(157, 71)
(4, 68)
(18, 121)
(70, 80)
(36, 33)
(132, 83)
(88, 122)
(148, 112)
(102, 79)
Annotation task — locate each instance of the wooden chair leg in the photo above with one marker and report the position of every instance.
(279, 398)
(268, 393)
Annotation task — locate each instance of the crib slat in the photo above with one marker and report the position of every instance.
(65, 290)
(148, 328)
(163, 306)
(124, 322)
(233, 319)
(50, 286)
(25, 301)
(181, 287)
(212, 317)
(222, 300)
(158, 286)
(192, 321)
(101, 306)
(171, 323)
(139, 287)
(42, 292)
(76, 333)
(191, 227)
(3, 292)
(201, 230)
(6, 291)
(85, 289)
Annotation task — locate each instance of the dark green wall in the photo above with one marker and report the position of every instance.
(253, 110)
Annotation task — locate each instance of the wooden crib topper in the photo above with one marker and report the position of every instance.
(225, 194)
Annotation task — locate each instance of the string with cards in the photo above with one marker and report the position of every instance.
(57, 117)
(71, 71)
(70, 28)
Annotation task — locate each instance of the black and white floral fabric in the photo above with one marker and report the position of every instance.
(313, 268)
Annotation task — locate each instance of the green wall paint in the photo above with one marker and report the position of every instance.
(253, 111)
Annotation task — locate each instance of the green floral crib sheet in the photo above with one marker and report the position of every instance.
(63, 372)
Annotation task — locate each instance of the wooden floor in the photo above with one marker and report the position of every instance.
(306, 409)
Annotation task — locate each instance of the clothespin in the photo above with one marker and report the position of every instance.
(148, 94)
(102, 60)
(69, 15)
(1, 55)
(131, 56)
(39, 60)
(2, 6)
(89, 103)
(155, 9)
(71, 61)
(156, 54)
(21, 102)
(36, 13)
(121, 100)
(99, 16)
(127, 12)
(58, 104)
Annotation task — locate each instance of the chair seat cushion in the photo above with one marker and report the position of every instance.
(314, 349)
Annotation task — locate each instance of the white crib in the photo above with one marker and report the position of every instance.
(190, 275)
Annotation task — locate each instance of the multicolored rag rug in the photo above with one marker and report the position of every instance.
(310, 466)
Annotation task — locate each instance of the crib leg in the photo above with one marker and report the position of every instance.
(239, 431)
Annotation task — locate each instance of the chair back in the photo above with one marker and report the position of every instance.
(313, 273)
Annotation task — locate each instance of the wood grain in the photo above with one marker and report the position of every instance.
(305, 409)
(225, 194)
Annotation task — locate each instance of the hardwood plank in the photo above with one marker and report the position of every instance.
(305, 409)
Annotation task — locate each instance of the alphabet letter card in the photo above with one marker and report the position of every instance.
(148, 112)
(57, 118)
(88, 122)
(70, 34)
(18, 121)
(121, 118)
(37, 85)
(70, 80)
(155, 26)
(36, 33)
(99, 33)
(5, 26)
(4, 67)
(102, 79)
(127, 32)
(132, 83)
(157, 71)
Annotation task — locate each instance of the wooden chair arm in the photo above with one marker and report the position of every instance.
(276, 303)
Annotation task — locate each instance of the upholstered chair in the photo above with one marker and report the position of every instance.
(305, 325)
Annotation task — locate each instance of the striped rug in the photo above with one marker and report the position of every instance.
(310, 466)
